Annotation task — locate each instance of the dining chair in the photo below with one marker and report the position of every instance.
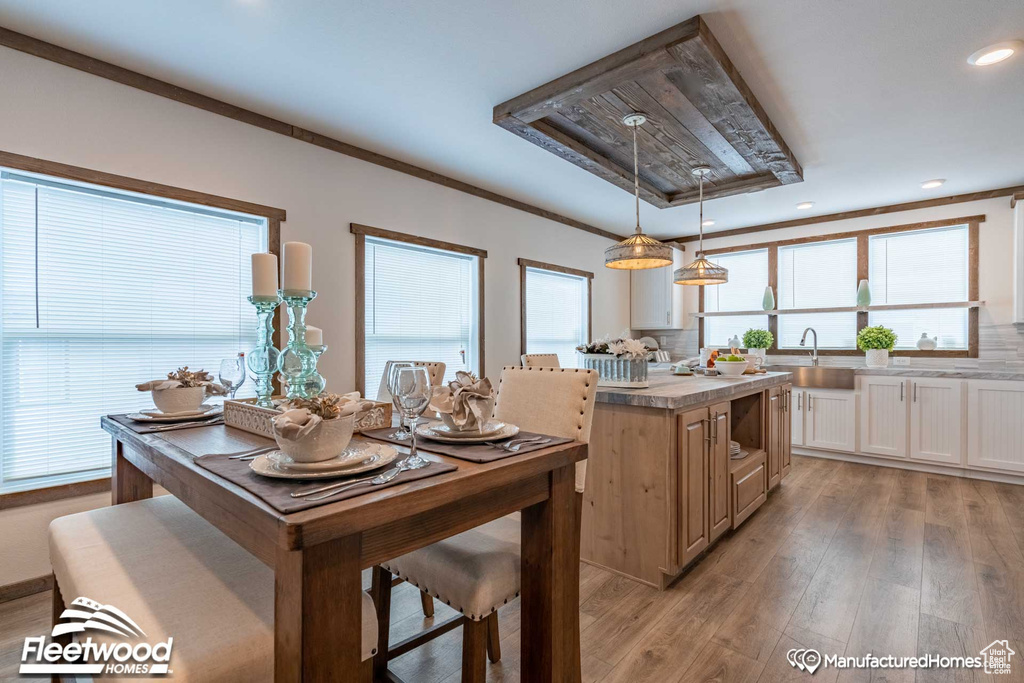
(435, 369)
(478, 571)
(177, 576)
(540, 360)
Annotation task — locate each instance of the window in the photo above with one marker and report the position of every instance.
(748, 276)
(102, 290)
(556, 310)
(421, 303)
(921, 267)
(818, 275)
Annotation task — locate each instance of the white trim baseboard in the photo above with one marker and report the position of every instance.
(911, 465)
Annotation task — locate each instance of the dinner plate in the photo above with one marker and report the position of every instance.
(377, 456)
(506, 432)
(176, 417)
(350, 457)
(203, 409)
(490, 429)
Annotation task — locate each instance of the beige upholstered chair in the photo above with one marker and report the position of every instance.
(478, 571)
(436, 371)
(540, 360)
(176, 575)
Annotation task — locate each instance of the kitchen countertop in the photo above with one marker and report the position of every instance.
(964, 373)
(672, 392)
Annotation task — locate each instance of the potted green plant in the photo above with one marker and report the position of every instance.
(757, 342)
(876, 343)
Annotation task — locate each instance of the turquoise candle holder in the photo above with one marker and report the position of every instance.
(263, 360)
(297, 363)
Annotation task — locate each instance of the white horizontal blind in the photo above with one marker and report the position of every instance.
(818, 275)
(102, 290)
(421, 304)
(556, 314)
(921, 266)
(748, 276)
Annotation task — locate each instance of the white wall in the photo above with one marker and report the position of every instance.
(60, 114)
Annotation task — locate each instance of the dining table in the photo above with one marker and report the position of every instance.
(318, 554)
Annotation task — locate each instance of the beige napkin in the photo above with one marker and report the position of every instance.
(160, 384)
(296, 424)
(468, 400)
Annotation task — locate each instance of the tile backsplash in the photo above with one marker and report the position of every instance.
(1000, 347)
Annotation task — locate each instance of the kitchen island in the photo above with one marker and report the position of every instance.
(661, 486)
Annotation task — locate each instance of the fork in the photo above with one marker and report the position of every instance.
(514, 445)
(252, 453)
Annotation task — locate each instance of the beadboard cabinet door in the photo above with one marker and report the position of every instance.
(796, 412)
(830, 419)
(883, 416)
(936, 415)
(995, 424)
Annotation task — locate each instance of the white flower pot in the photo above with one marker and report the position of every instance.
(328, 441)
(179, 399)
(877, 358)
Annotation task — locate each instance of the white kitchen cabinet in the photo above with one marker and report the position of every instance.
(995, 424)
(796, 414)
(883, 416)
(1018, 262)
(830, 419)
(936, 416)
(656, 303)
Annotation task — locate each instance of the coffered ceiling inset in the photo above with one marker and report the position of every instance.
(699, 112)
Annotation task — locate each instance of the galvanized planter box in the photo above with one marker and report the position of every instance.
(625, 373)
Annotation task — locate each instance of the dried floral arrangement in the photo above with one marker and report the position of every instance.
(186, 378)
(622, 348)
(328, 406)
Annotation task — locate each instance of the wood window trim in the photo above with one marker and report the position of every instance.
(361, 232)
(862, 236)
(17, 499)
(540, 265)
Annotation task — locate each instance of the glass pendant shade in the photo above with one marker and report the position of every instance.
(701, 272)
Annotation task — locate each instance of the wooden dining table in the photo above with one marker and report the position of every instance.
(318, 554)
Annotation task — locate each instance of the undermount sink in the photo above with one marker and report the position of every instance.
(818, 377)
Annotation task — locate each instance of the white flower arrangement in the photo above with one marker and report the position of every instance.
(620, 348)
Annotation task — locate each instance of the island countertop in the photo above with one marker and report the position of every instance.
(671, 392)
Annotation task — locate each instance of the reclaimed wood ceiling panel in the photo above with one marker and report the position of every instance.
(699, 112)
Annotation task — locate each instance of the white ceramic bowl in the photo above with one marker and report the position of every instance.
(324, 443)
(179, 399)
(447, 418)
(731, 368)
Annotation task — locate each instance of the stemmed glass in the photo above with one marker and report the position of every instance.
(232, 374)
(413, 390)
(402, 434)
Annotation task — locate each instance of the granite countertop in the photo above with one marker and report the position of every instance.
(672, 392)
(953, 373)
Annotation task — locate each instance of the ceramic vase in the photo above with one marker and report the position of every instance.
(926, 343)
(877, 358)
(863, 294)
(768, 301)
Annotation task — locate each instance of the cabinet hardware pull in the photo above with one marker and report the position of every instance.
(810, 403)
(915, 392)
(799, 401)
(902, 385)
(707, 430)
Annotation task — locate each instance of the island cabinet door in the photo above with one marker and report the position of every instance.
(773, 432)
(718, 464)
(786, 447)
(694, 445)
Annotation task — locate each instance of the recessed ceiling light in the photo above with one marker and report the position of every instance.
(708, 222)
(804, 205)
(932, 184)
(993, 54)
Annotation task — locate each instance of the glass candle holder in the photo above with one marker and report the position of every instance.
(315, 383)
(263, 360)
(297, 362)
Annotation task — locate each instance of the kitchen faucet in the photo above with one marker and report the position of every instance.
(803, 342)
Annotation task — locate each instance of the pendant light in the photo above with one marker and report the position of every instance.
(701, 271)
(638, 251)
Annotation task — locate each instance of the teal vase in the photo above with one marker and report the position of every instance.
(768, 302)
(863, 294)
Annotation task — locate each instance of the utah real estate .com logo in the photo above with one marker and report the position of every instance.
(90, 657)
(994, 659)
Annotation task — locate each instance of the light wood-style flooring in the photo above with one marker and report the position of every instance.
(844, 558)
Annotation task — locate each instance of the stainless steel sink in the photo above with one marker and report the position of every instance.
(819, 377)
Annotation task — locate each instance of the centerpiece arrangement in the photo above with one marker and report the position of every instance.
(183, 392)
(876, 343)
(318, 428)
(619, 362)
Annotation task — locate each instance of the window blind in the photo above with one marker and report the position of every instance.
(102, 290)
(818, 275)
(748, 276)
(421, 304)
(921, 266)
(556, 314)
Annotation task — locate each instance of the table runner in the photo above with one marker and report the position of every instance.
(277, 492)
(473, 452)
(151, 427)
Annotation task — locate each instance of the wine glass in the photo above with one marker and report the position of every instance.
(413, 390)
(232, 374)
(402, 434)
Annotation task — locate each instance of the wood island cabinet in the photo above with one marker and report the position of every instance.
(718, 476)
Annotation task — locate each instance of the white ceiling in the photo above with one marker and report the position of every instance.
(873, 96)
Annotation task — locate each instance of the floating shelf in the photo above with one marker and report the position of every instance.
(845, 309)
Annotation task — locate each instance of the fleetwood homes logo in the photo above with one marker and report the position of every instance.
(89, 657)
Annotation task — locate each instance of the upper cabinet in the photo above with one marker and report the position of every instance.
(656, 303)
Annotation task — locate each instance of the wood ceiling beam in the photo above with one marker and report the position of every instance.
(112, 72)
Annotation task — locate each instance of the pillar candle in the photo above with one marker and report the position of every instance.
(264, 275)
(298, 266)
(314, 336)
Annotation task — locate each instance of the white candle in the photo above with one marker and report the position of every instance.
(298, 266)
(264, 275)
(314, 336)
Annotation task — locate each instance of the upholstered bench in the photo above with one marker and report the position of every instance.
(176, 575)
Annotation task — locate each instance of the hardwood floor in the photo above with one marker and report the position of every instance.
(844, 558)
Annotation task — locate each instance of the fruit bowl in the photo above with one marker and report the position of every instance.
(731, 368)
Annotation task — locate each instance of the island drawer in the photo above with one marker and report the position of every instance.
(748, 487)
